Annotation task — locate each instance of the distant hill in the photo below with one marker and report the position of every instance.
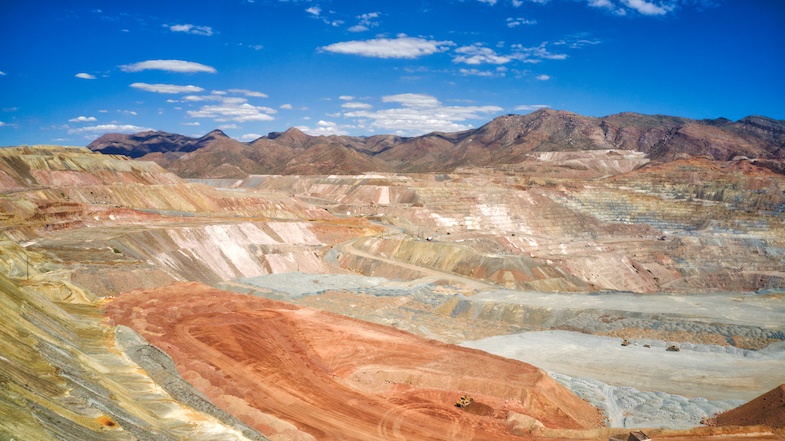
(142, 143)
(508, 139)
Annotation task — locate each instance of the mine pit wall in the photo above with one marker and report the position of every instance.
(183, 198)
(737, 185)
(641, 243)
(622, 324)
(26, 167)
(49, 188)
(355, 190)
(373, 267)
(209, 254)
(610, 205)
(519, 272)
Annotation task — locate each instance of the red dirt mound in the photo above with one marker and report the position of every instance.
(768, 410)
(336, 377)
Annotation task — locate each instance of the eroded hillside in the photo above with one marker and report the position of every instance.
(590, 246)
(506, 141)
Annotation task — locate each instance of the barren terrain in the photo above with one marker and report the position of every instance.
(338, 378)
(139, 305)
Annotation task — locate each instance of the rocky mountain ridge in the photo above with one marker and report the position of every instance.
(506, 140)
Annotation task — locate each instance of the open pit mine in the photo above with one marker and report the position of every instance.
(603, 279)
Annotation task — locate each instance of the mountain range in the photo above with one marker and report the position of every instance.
(506, 140)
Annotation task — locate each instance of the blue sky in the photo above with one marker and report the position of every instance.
(73, 70)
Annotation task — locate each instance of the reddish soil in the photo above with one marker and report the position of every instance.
(340, 378)
(768, 410)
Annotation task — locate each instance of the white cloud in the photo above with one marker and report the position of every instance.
(419, 114)
(246, 92)
(513, 22)
(400, 47)
(602, 4)
(356, 105)
(579, 43)
(166, 88)
(543, 77)
(233, 109)
(191, 29)
(346, 97)
(477, 54)
(532, 107)
(535, 54)
(250, 137)
(197, 98)
(195, 123)
(490, 2)
(647, 8)
(482, 73)
(83, 119)
(85, 76)
(168, 65)
(215, 95)
(641, 6)
(286, 106)
(412, 100)
(3, 73)
(367, 21)
(314, 10)
(228, 126)
(109, 128)
(324, 128)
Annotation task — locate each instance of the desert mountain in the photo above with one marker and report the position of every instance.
(142, 143)
(506, 140)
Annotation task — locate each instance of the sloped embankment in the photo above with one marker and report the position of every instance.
(521, 272)
(217, 252)
(63, 378)
(48, 188)
(767, 409)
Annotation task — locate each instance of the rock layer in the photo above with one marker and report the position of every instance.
(460, 252)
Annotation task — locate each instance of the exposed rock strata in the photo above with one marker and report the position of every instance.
(78, 227)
